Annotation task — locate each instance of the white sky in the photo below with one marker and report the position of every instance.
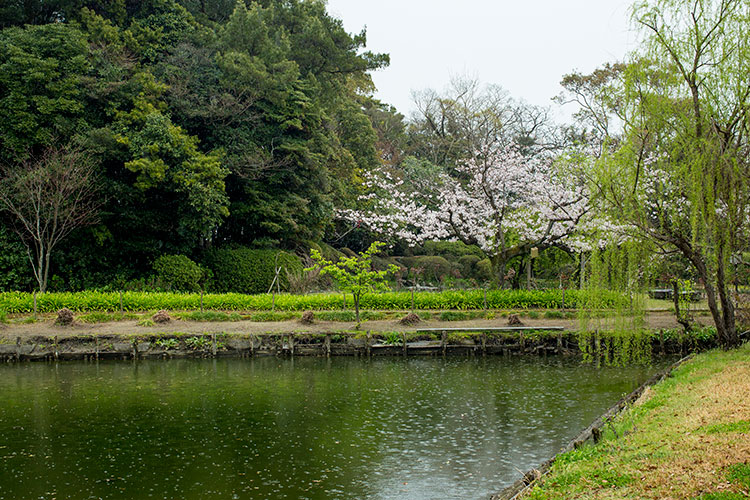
(525, 46)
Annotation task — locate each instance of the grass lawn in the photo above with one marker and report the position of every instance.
(686, 438)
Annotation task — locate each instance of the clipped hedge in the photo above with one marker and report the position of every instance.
(21, 302)
(178, 273)
(246, 270)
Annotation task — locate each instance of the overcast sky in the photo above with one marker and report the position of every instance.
(525, 46)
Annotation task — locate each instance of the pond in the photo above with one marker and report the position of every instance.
(304, 428)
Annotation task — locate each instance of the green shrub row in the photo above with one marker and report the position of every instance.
(21, 302)
(247, 270)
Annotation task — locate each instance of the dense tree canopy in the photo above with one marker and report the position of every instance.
(210, 123)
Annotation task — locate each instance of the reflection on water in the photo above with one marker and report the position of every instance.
(299, 429)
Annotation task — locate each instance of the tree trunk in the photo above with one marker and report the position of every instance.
(498, 270)
(731, 338)
(678, 314)
(355, 296)
(723, 318)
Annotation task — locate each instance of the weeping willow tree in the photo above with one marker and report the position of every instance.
(616, 333)
(677, 173)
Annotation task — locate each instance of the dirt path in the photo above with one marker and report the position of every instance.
(47, 327)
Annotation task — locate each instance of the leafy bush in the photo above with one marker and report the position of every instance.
(435, 268)
(198, 343)
(245, 270)
(178, 273)
(451, 250)
(483, 270)
(468, 265)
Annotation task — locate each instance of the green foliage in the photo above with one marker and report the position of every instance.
(42, 92)
(483, 271)
(231, 122)
(274, 316)
(453, 316)
(246, 270)
(741, 426)
(722, 495)
(198, 343)
(393, 338)
(451, 250)
(355, 274)
(468, 265)
(103, 317)
(434, 268)
(178, 273)
(167, 344)
(349, 316)
(15, 271)
(739, 474)
(21, 302)
(146, 322)
(208, 316)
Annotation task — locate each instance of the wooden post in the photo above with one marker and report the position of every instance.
(559, 342)
(122, 310)
(368, 341)
(523, 341)
(403, 336)
(18, 348)
(328, 345)
(35, 308)
(291, 344)
(484, 343)
(528, 273)
(252, 345)
(213, 344)
(444, 342)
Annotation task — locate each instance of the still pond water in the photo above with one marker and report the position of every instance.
(306, 428)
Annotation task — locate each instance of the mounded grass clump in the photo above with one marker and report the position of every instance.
(410, 319)
(161, 317)
(308, 318)
(64, 317)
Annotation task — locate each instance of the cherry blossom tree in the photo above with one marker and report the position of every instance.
(502, 201)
